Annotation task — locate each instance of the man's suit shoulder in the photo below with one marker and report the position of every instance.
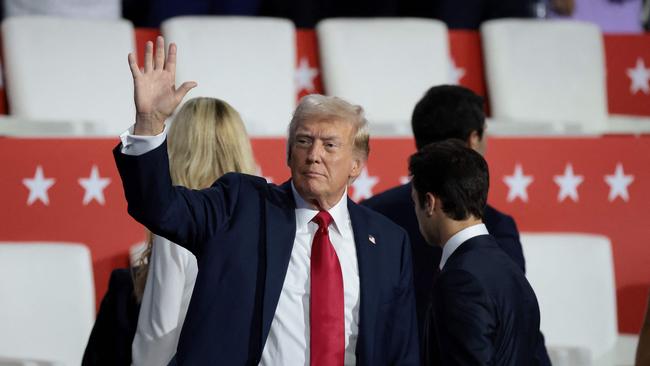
(499, 223)
(395, 198)
(377, 220)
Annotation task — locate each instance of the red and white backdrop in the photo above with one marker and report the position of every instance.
(69, 189)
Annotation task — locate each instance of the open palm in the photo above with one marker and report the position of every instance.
(156, 96)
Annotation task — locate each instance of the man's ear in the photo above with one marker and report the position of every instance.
(474, 141)
(430, 202)
(357, 167)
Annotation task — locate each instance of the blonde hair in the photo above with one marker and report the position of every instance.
(321, 107)
(206, 140)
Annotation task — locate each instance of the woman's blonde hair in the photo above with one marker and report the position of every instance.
(206, 140)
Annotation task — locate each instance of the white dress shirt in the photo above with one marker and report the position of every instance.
(167, 293)
(288, 339)
(459, 238)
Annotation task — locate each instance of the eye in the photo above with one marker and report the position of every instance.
(302, 141)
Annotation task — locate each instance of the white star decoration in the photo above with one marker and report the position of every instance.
(38, 187)
(517, 184)
(455, 73)
(305, 75)
(618, 184)
(363, 185)
(404, 179)
(94, 186)
(640, 77)
(568, 184)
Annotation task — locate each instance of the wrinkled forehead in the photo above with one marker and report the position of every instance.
(326, 127)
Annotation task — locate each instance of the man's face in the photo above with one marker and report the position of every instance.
(426, 219)
(323, 160)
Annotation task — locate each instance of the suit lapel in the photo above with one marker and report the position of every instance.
(369, 290)
(280, 235)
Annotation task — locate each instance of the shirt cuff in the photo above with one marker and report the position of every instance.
(137, 144)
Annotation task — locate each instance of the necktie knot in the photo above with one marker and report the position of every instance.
(323, 219)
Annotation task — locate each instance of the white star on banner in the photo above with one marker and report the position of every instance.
(517, 184)
(618, 184)
(260, 174)
(305, 75)
(38, 187)
(455, 73)
(363, 185)
(640, 77)
(404, 179)
(94, 186)
(568, 184)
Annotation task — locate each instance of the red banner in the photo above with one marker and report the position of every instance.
(69, 190)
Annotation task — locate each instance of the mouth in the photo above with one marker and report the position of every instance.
(313, 175)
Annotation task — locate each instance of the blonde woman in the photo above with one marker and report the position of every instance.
(206, 140)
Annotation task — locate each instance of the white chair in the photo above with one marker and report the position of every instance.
(67, 70)
(573, 278)
(247, 61)
(550, 75)
(47, 301)
(385, 65)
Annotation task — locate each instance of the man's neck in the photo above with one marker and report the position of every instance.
(452, 227)
(317, 203)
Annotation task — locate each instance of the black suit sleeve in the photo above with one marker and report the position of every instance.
(464, 318)
(406, 322)
(186, 217)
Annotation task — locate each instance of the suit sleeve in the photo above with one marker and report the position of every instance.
(408, 350)
(464, 319)
(186, 217)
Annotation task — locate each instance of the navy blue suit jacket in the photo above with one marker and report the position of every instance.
(397, 205)
(484, 310)
(242, 231)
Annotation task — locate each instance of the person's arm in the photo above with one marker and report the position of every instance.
(406, 331)
(162, 311)
(181, 215)
(464, 320)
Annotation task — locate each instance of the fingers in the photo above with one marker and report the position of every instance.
(133, 64)
(148, 57)
(170, 64)
(184, 89)
(160, 53)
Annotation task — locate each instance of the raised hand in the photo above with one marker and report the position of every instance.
(156, 96)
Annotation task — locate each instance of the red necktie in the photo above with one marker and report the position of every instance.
(327, 324)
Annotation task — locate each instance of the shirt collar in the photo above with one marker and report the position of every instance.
(459, 238)
(304, 213)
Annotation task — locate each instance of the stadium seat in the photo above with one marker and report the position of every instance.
(47, 301)
(383, 64)
(550, 74)
(68, 71)
(247, 61)
(573, 278)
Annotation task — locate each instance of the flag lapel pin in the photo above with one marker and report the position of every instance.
(372, 239)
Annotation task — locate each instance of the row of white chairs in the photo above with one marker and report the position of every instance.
(47, 300)
(543, 77)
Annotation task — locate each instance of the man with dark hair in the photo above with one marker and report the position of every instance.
(444, 112)
(484, 310)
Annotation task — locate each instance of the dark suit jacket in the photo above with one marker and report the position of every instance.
(242, 231)
(397, 205)
(484, 310)
(114, 329)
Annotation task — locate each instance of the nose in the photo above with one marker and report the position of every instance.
(314, 154)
